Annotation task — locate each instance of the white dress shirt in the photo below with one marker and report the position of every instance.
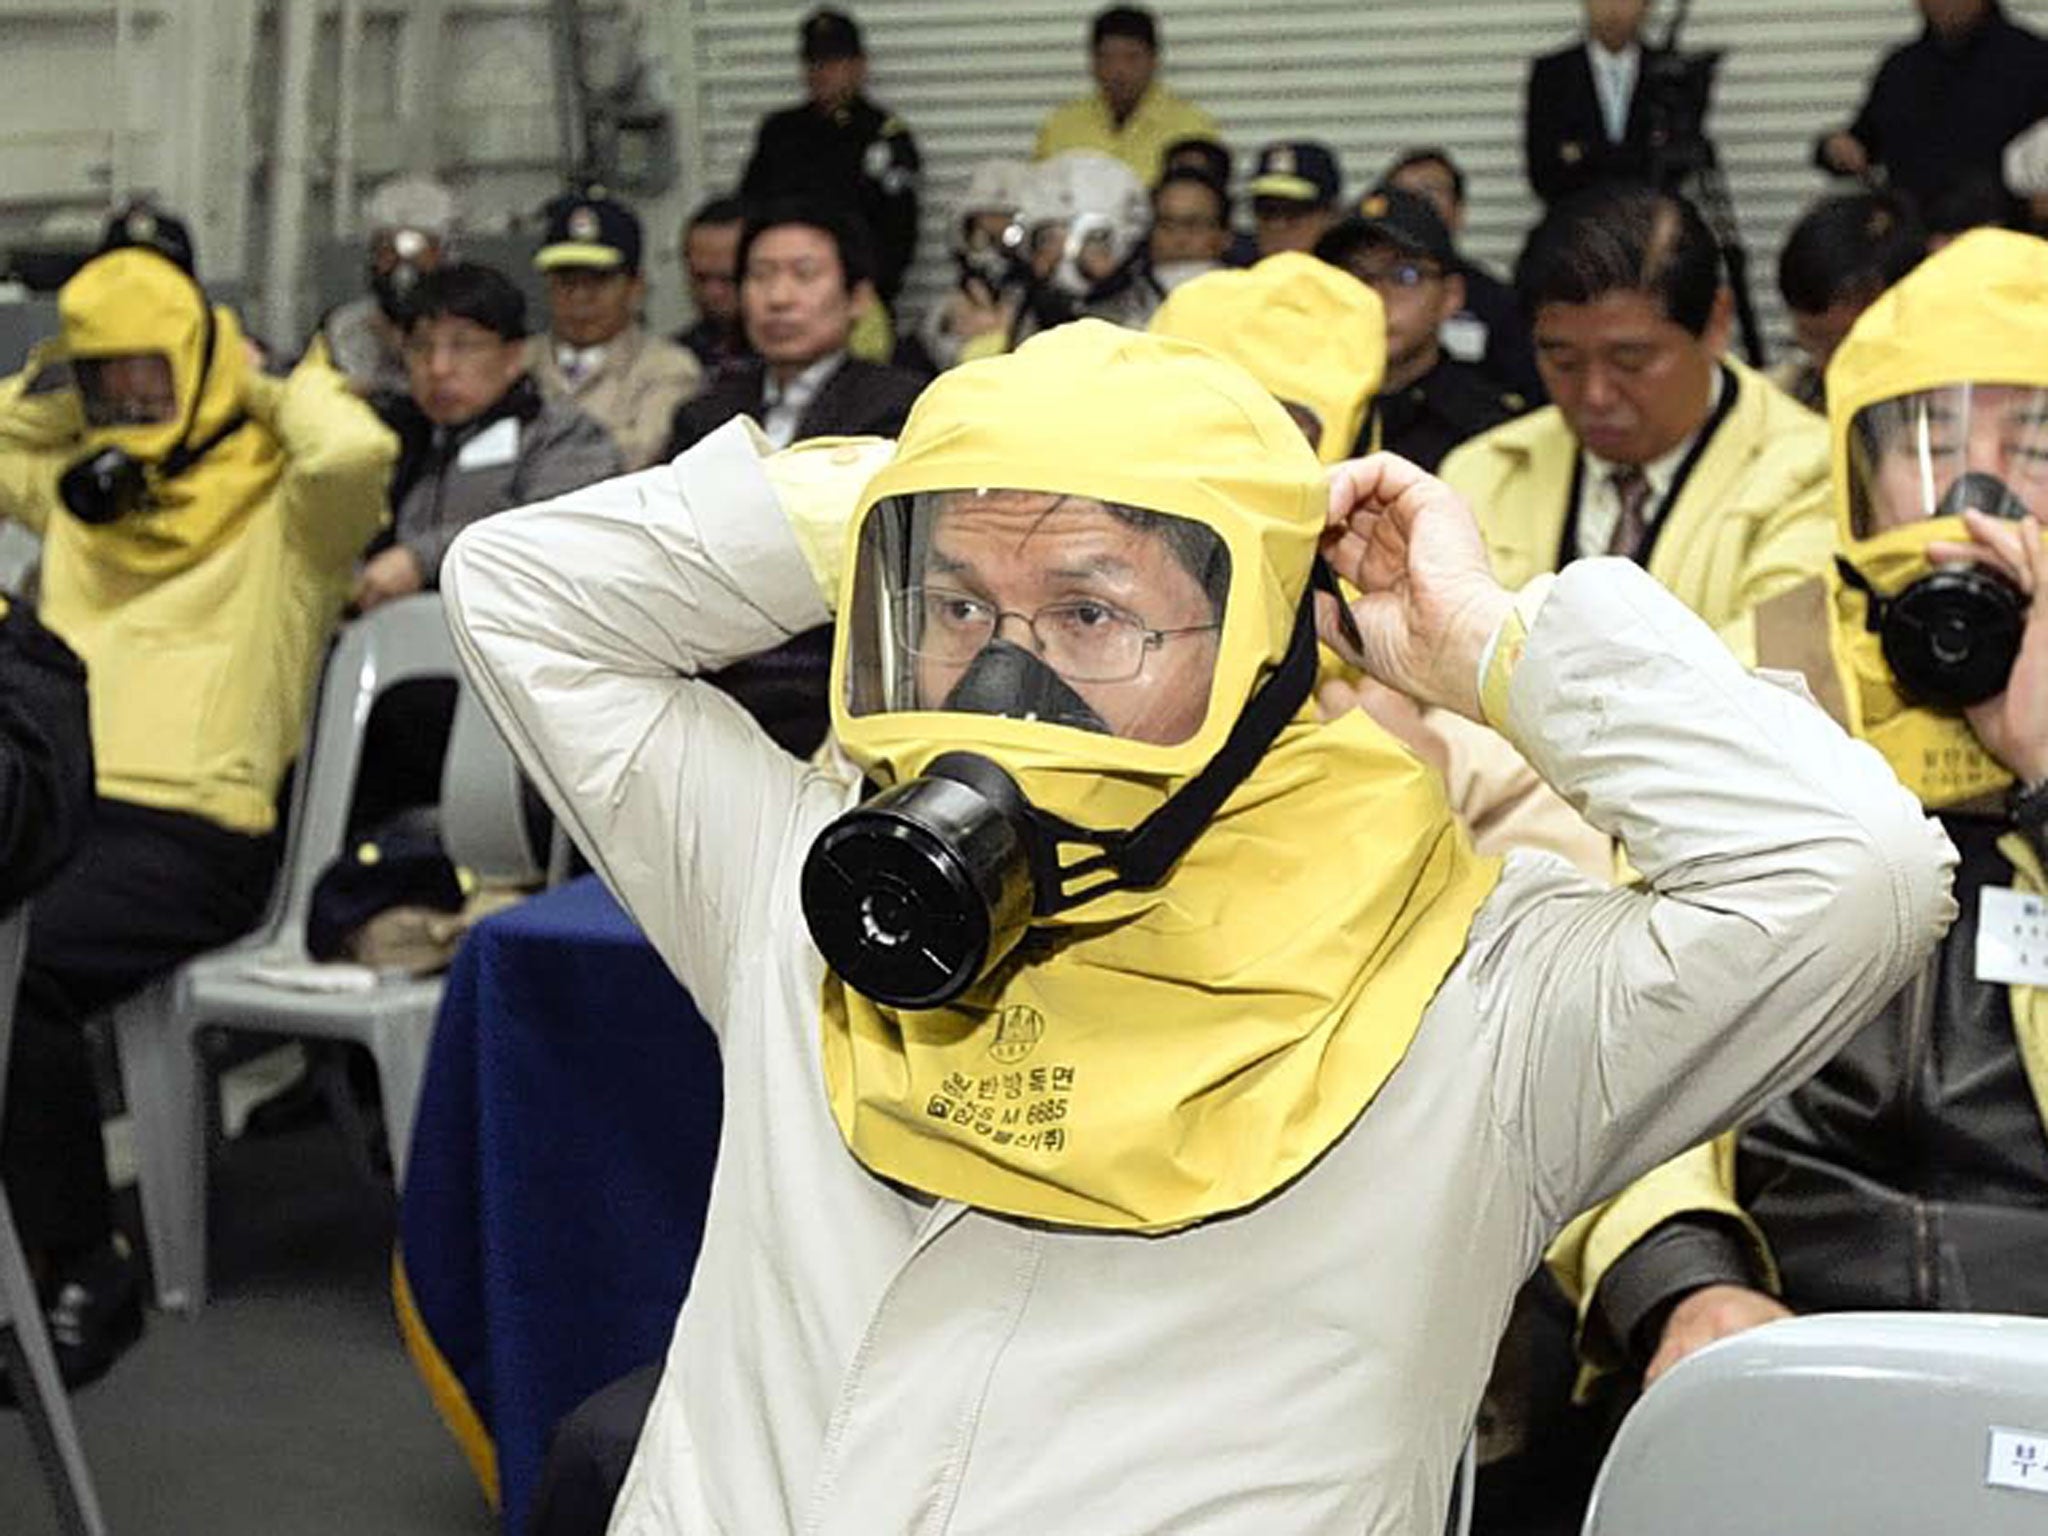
(1614, 81)
(1600, 504)
(783, 405)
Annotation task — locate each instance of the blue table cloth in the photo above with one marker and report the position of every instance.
(560, 1165)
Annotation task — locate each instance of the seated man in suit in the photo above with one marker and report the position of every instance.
(1657, 447)
(1585, 119)
(805, 276)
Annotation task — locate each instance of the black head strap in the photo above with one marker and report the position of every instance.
(1145, 855)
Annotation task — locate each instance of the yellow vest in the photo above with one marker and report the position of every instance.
(1751, 520)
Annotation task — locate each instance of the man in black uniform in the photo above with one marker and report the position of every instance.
(1586, 118)
(1491, 331)
(1429, 402)
(1943, 107)
(840, 144)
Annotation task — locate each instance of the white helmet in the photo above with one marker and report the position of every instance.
(996, 187)
(411, 202)
(1084, 202)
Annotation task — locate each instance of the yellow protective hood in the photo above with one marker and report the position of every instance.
(135, 301)
(1974, 312)
(1155, 1057)
(1311, 333)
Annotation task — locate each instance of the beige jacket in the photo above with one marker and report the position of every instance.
(854, 1358)
(632, 394)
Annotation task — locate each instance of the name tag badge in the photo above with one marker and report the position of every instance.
(1464, 337)
(496, 444)
(2012, 937)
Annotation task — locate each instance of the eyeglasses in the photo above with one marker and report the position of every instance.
(1084, 640)
(462, 349)
(1186, 224)
(1402, 274)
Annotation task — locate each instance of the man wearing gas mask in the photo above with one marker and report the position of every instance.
(412, 221)
(1119, 1062)
(1085, 219)
(200, 522)
(1912, 1170)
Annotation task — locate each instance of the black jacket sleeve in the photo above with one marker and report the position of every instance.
(46, 768)
(1551, 150)
(1672, 1260)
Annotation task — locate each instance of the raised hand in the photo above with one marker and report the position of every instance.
(1429, 602)
(2014, 725)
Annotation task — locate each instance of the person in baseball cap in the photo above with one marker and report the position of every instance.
(1429, 403)
(596, 352)
(1294, 190)
(141, 223)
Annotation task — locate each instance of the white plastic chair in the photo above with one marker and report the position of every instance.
(1877, 1423)
(30, 1367)
(161, 1072)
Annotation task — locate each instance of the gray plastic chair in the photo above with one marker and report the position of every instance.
(161, 1072)
(24, 1340)
(1877, 1423)
(483, 815)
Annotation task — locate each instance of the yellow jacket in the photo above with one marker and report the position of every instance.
(1161, 118)
(1751, 520)
(201, 676)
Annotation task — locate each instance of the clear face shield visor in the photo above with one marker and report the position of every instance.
(133, 390)
(1940, 452)
(1033, 605)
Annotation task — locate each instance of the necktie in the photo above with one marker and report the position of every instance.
(1632, 490)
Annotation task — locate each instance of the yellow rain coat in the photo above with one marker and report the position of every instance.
(1750, 521)
(201, 623)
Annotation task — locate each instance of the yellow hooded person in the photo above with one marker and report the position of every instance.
(200, 523)
(1313, 334)
(1937, 405)
(1078, 668)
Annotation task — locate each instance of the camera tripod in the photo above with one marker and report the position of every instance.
(1677, 90)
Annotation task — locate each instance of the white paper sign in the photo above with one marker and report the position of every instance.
(2019, 1459)
(2012, 937)
(496, 444)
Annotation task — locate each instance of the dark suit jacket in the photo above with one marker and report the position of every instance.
(860, 400)
(785, 689)
(1564, 138)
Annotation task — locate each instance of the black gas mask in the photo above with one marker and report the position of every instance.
(920, 892)
(1951, 637)
(392, 283)
(112, 483)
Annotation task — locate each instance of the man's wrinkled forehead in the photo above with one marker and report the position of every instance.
(1020, 521)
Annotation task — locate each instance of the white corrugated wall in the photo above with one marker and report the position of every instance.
(193, 122)
(973, 79)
